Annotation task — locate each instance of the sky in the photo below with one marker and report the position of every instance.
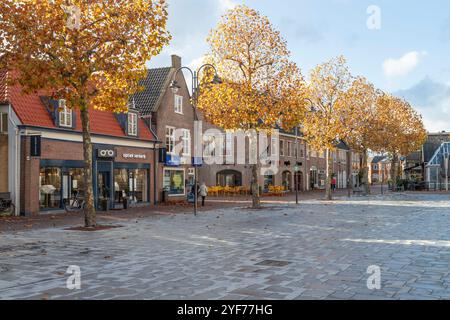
(401, 46)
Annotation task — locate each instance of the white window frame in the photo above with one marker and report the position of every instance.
(289, 148)
(132, 124)
(184, 177)
(171, 138)
(209, 146)
(65, 114)
(186, 140)
(178, 104)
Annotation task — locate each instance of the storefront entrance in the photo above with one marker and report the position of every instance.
(104, 190)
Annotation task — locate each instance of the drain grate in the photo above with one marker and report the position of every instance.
(273, 263)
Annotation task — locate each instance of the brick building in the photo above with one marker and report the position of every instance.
(45, 157)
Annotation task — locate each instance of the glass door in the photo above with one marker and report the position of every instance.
(104, 187)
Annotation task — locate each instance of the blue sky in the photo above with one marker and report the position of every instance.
(408, 55)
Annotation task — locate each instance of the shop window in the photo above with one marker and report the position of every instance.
(65, 114)
(174, 182)
(132, 124)
(287, 179)
(73, 183)
(269, 180)
(132, 183)
(50, 188)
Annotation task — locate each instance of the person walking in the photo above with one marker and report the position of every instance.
(203, 193)
(333, 184)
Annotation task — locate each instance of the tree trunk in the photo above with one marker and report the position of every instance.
(365, 173)
(394, 171)
(89, 211)
(255, 187)
(328, 169)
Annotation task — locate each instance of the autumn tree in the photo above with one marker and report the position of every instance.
(399, 130)
(323, 127)
(90, 53)
(261, 87)
(361, 99)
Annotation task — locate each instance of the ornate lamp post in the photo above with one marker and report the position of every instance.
(195, 94)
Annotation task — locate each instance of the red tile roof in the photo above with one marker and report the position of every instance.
(31, 111)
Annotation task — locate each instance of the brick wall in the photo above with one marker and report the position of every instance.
(4, 163)
(64, 150)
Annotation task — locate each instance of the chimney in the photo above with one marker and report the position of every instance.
(176, 61)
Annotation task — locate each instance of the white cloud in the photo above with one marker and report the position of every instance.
(404, 65)
(226, 4)
(432, 100)
(196, 63)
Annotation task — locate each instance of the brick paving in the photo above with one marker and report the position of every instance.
(319, 250)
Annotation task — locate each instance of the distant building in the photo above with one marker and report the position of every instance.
(379, 169)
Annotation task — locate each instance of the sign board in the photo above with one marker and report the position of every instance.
(106, 153)
(134, 156)
(35, 146)
(197, 161)
(172, 160)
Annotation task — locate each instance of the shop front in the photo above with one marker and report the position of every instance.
(118, 173)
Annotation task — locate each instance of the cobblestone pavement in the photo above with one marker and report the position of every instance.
(320, 250)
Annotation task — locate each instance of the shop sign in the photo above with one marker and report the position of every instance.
(197, 161)
(172, 160)
(106, 153)
(134, 156)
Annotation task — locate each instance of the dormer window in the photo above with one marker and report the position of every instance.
(65, 114)
(132, 124)
(178, 104)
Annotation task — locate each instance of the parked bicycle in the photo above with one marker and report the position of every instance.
(7, 207)
(75, 204)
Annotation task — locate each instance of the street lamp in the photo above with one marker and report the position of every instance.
(195, 94)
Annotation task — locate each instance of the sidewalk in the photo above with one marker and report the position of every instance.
(59, 220)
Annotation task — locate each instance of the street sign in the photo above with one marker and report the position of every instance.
(197, 161)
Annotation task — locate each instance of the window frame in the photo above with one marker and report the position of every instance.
(178, 104)
(170, 137)
(281, 148)
(64, 114)
(133, 126)
(183, 184)
(186, 142)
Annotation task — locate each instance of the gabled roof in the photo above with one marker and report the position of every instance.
(378, 159)
(32, 112)
(155, 85)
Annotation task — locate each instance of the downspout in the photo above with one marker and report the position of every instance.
(17, 163)
(155, 175)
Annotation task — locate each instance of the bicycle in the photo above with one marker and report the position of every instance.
(75, 204)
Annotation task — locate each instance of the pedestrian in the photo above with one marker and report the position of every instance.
(203, 193)
(333, 184)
